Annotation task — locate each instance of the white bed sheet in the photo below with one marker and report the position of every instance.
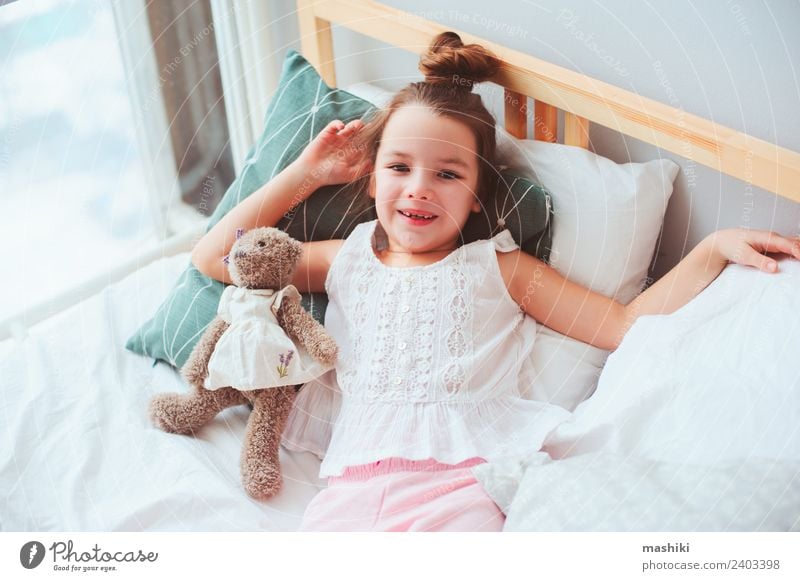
(695, 424)
(78, 450)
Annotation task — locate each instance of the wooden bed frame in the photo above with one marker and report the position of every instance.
(583, 99)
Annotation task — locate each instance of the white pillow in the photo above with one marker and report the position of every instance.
(607, 220)
(372, 93)
(616, 492)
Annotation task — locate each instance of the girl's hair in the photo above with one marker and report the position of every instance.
(451, 69)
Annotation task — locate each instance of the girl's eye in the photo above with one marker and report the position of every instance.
(445, 174)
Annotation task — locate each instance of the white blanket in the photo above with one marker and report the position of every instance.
(604, 491)
(695, 424)
(78, 452)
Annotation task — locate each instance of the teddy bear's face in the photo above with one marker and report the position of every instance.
(264, 258)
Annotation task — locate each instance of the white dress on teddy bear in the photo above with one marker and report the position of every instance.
(255, 352)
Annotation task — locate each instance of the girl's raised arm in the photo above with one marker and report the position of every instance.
(593, 318)
(326, 160)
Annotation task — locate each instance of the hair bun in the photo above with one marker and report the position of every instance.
(450, 62)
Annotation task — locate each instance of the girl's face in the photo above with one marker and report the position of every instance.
(426, 171)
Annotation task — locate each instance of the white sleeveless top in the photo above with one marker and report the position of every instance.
(429, 362)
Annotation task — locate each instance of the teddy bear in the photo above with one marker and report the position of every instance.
(261, 346)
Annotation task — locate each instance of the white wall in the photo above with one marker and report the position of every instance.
(731, 61)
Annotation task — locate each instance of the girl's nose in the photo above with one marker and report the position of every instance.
(418, 188)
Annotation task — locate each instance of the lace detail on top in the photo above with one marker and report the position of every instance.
(408, 334)
(429, 361)
(423, 338)
(457, 340)
(401, 364)
(384, 350)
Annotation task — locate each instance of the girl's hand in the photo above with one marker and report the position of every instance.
(333, 157)
(744, 246)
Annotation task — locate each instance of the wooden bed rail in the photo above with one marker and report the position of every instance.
(583, 99)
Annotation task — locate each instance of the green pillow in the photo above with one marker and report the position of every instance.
(300, 108)
(520, 205)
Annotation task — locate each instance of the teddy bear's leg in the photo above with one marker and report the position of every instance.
(261, 469)
(183, 414)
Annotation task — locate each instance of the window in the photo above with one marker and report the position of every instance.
(110, 141)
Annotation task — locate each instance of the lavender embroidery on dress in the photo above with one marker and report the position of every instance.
(283, 368)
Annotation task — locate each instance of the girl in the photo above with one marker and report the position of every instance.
(432, 332)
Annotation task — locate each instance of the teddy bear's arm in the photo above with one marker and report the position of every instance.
(195, 370)
(303, 328)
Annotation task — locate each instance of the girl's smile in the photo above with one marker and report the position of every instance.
(417, 217)
(426, 172)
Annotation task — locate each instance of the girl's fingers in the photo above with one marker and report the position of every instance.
(774, 242)
(351, 128)
(329, 133)
(762, 262)
(795, 243)
(334, 126)
(759, 261)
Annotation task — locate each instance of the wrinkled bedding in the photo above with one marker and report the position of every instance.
(695, 424)
(79, 453)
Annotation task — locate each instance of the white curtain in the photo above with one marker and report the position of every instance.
(248, 68)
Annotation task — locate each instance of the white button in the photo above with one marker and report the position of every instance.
(406, 308)
(397, 380)
(402, 345)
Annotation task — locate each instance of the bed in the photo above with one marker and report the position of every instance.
(80, 454)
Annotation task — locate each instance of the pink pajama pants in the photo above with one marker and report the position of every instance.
(404, 495)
